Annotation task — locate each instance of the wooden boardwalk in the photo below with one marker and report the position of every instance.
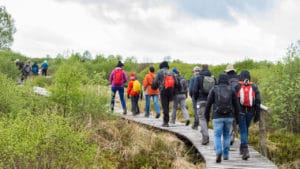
(256, 160)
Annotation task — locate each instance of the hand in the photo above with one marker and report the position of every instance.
(256, 117)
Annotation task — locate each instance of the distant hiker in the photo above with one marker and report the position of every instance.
(134, 90)
(233, 80)
(196, 72)
(26, 70)
(44, 67)
(249, 98)
(20, 66)
(150, 93)
(225, 109)
(180, 97)
(35, 69)
(117, 80)
(165, 81)
(201, 89)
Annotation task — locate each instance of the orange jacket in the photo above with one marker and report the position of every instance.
(148, 80)
(130, 91)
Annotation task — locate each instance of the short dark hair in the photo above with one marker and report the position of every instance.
(151, 68)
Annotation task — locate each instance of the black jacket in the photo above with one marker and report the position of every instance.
(198, 93)
(213, 94)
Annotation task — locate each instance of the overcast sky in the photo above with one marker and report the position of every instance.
(194, 31)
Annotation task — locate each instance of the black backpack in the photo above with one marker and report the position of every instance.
(182, 87)
(223, 99)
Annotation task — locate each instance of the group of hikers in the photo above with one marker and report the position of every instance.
(235, 100)
(26, 68)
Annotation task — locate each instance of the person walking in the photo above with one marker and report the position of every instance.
(150, 93)
(35, 69)
(165, 81)
(133, 92)
(225, 109)
(180, 98)
(233, 79)
(44, 68)
(26, 71)
(249, 98)
(196, 72)
(117, 79)
(200, 95)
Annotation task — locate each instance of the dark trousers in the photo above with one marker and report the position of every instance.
(166, 96)
(135, 105)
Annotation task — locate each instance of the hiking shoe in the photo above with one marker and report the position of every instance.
(172, 121)
(219, 158)
(245, 154)
(157, 116)
(125, 112)
(225, 158)
(205, 142)
(195, 127)
(187, 122)
(165, 125)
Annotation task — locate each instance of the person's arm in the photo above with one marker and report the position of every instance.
(196, 87)
(210, 101)
(256, 104)
(236, 106)
(111, 77)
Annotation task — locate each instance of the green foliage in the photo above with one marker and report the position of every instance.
(7, 29)
(66, 90)
(282, 90)
(44, 141)
(10, 95)
(8, 65)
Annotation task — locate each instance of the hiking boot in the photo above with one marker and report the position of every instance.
(195, 127)
(245, 154)
(187, 122)
(157, 116)
(165, 125)
(219, 158)
(205, 141)
(172, 121)
(125, 112)
(241, 151)
(225, 158)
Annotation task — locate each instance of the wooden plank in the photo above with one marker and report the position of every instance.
(256, 160)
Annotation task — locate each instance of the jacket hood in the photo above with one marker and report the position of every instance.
(245, 74)
(120, 64)
(223, 79)
(164, 64)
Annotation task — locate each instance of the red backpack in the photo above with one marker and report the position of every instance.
(169, 81)
(246, 94)
(118, 77)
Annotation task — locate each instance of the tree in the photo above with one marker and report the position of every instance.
(7, 29)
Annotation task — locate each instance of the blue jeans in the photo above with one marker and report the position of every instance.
(222, 128)
(245, 120)
(155, 102)
(113, 95)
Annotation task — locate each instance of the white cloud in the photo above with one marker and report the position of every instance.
(151, 30)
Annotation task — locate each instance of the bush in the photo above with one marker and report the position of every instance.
(44, 141)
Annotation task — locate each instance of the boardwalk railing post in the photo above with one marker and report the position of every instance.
(262, 131)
